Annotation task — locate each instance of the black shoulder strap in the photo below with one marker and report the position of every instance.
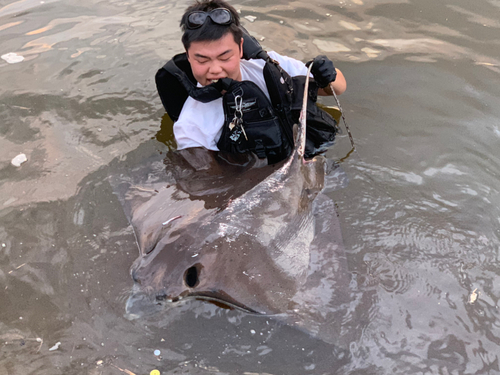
(252, 48)
(172, 91)
(279, 84)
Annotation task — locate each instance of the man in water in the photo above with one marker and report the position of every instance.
(226, 93)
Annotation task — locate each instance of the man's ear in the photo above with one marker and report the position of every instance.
(241, 48)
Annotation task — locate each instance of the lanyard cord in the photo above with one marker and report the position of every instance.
(342, 114)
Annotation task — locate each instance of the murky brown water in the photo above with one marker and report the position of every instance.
(420, 215)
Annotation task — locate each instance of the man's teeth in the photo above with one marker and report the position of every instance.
(214, 80)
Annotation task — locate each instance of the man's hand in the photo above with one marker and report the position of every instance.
(323, 70)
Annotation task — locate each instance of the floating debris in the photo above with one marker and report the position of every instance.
(19, 159)
(157, 352)
(250, 18)
(40, 340)
(12, 57)
(128, 372)
(473, 296)
(55, 347)
(22, 265)
(154, 372)
(11, 338)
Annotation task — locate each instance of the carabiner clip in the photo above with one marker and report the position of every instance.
(238, 101)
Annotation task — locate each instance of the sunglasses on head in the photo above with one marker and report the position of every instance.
(220, 16)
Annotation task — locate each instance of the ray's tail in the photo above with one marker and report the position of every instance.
(301, 141)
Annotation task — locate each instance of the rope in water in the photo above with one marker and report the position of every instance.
(342, 114)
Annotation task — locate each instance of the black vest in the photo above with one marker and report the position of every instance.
(266, 125)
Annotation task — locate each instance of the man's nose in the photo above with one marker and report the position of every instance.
(215, 68)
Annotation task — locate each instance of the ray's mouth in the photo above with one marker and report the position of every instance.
(229, 303)
(211, 297)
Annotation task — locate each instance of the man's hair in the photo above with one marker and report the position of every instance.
(210, 30)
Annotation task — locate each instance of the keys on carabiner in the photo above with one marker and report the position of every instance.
(240, 124)
(238, 106)
(235, 134)
(237, 120)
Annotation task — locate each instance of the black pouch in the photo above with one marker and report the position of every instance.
(261, 131)
(287, 95)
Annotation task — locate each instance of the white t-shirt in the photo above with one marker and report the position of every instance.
(200, 124)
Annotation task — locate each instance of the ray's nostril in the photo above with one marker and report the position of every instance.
(191, 277)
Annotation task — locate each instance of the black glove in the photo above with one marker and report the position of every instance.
(323, 70)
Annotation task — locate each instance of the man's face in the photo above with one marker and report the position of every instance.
(212, 60)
